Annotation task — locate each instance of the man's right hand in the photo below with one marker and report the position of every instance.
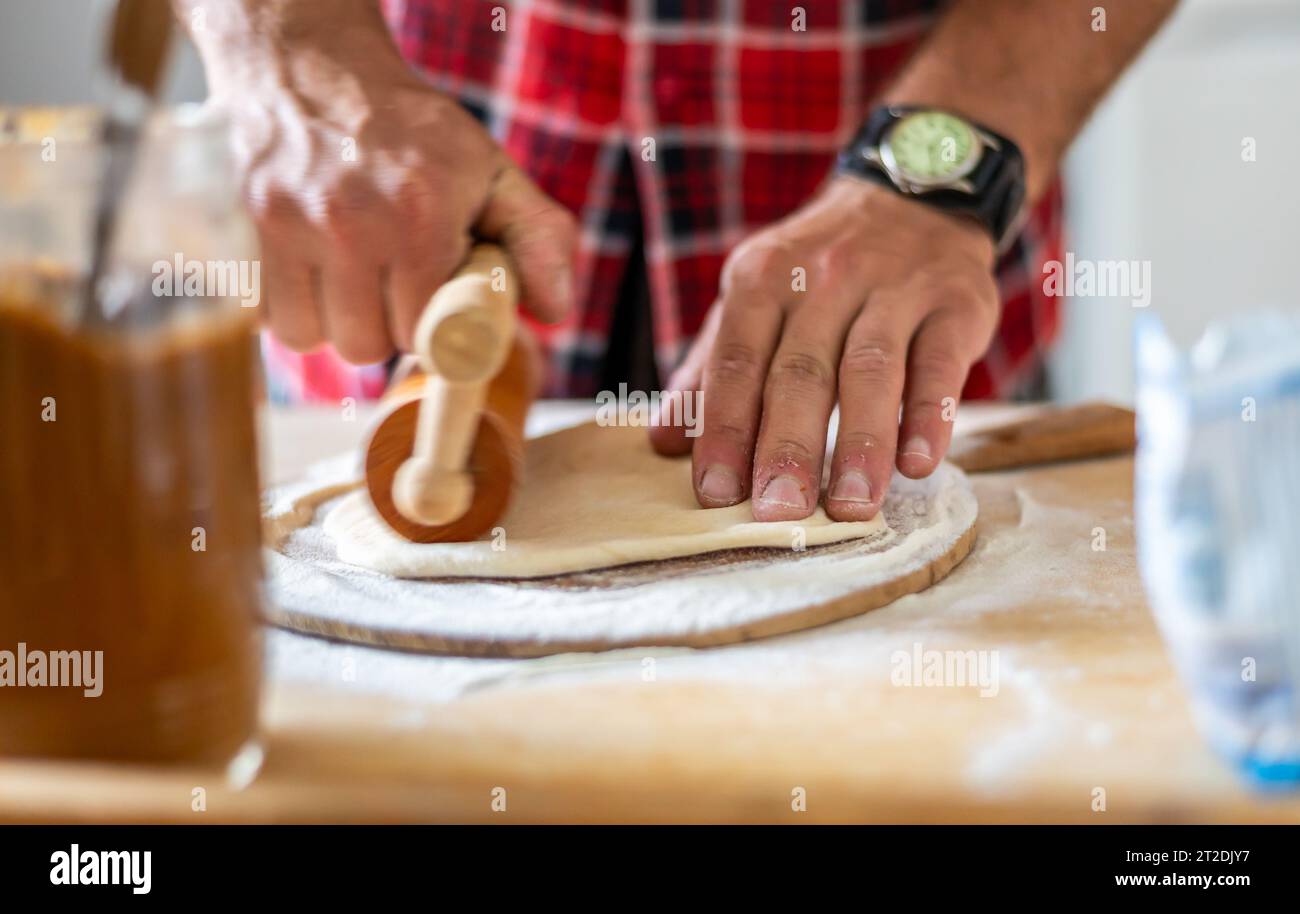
(366, 185)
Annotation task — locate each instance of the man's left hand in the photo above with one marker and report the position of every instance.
(860, 295)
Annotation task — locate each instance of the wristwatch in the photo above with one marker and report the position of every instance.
(945, 161)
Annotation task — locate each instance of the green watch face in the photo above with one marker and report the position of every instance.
(930, 146)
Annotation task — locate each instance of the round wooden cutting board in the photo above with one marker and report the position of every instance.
(698, 601)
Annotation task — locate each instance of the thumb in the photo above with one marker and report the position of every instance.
(539, 234)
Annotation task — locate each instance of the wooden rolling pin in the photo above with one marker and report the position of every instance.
(1057, 433)
(442, 464)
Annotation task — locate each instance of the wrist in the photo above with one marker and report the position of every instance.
(871, 200)
(261, 45)
(943, 161)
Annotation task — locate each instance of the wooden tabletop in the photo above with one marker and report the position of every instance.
(1087, 711)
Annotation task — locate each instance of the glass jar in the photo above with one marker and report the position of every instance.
(130, 558)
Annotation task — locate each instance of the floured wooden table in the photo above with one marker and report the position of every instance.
(1080, 707)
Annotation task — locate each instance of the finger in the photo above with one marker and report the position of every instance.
(290, 302)
(870, 388)
(540, 236)
(355, 242)
(414, 277)
(749, 323)
(940, 356)
(354, 311)
(797, 402)
(677, 425)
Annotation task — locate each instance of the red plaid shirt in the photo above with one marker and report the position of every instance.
(746, 114)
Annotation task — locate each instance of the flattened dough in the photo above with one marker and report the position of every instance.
(592, 497)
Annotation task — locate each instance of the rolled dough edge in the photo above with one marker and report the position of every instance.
(812, 616)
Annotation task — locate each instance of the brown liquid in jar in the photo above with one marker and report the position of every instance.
(153, 436)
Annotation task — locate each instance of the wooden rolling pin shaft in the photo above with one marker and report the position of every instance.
(441, 465)
(1057, 433)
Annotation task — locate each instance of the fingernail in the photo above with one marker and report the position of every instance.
(721, 484)
(852, 486)
(784, 492)
(917, 447)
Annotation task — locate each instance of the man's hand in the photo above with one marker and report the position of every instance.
(900, 298)
(861, 295)
(366, 185)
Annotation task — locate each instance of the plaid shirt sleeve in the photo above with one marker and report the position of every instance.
(690, 124)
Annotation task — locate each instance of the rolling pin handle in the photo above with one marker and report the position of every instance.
(462, 341)
(430, 494)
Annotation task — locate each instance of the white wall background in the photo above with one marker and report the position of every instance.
(1158, 174)
(49, 50)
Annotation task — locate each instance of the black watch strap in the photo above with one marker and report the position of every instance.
(998, 179)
